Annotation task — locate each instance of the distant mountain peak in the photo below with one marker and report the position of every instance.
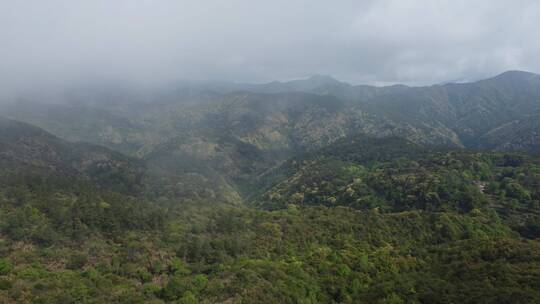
(516, 75)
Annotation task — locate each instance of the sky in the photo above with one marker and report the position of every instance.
(55, 43)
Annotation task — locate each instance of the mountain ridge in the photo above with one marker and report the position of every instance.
(228, 137)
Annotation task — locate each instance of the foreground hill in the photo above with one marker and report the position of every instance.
(406, 225)
(52, 191)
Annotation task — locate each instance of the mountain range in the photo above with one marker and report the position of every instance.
(307, 191)
(227, 134)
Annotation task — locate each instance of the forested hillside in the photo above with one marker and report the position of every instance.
(27, 152)
(393, 175)
(374, 220)
(308, 191)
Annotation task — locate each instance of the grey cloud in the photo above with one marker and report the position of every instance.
(52, 43)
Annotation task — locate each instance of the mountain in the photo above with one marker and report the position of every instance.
(469, 110)
(220, 143)
(465, 111)
(219, 138)
(81, 122)
(319, 84)
(27, 150)
(239, 136)
(522, 134)
(451, 114)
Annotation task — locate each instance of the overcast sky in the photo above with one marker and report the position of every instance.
(56, 42)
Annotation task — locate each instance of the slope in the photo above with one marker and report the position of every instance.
(393, 175)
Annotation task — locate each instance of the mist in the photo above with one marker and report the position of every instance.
(51, 45)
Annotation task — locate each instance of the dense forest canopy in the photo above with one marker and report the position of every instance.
(362, 219)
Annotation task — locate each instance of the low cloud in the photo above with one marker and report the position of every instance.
(58, 42)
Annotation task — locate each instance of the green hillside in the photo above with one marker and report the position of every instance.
(408, 224)
(308, 191)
